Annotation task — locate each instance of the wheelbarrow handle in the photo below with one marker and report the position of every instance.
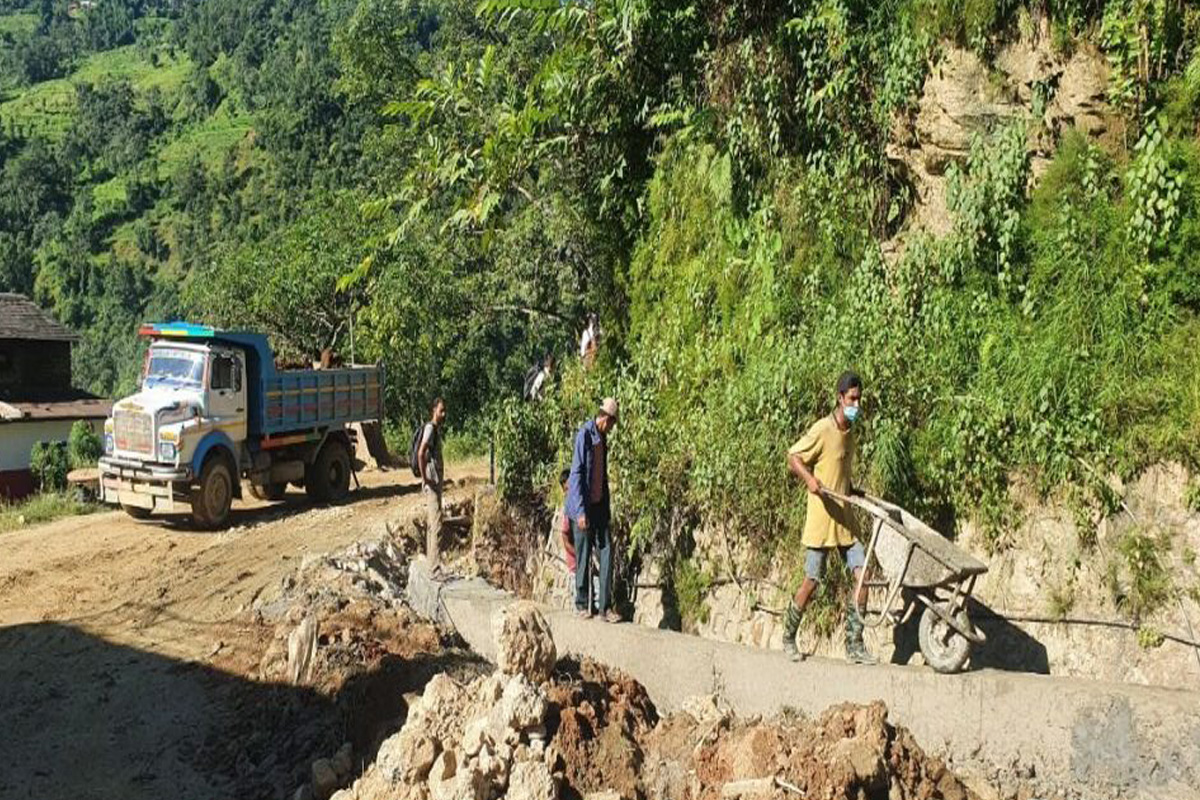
(860, 499)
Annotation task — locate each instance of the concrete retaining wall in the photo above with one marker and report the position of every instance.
(1062, 736)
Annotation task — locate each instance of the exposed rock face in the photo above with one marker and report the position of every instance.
(524, 644)
(964, 97)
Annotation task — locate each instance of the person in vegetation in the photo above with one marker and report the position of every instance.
(823, 459)
(562, 524)
(432, 469)
(590, 511)
(589, 341)
(536, 384)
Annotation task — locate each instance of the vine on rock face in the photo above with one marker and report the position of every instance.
(1154, 190)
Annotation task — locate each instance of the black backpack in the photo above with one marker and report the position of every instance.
(413, 462)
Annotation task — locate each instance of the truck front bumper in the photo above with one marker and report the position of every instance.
(156, 487)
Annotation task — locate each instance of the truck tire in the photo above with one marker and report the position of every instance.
(269, 491)
(328, 477)
(945, 649)
(137, 512)
(213, 496)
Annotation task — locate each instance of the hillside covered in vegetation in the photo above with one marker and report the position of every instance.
(990, 209)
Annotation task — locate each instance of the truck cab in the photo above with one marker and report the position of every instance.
(212, 411)
(187, 391)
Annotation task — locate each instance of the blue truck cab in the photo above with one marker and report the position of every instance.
(213, 411)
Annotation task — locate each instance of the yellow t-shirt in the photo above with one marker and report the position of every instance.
(829, 452)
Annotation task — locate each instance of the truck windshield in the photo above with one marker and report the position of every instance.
(175, 368)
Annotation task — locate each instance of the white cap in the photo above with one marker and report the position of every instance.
(609, 407)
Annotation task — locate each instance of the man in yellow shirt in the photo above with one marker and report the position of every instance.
(824, 458)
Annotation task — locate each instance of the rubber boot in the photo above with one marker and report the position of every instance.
(856, 651)
(791, 624)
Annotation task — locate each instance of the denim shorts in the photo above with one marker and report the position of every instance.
(814, 559)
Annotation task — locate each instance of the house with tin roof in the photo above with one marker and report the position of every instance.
(37, 401)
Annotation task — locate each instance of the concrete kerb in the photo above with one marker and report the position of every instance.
(1072, 737)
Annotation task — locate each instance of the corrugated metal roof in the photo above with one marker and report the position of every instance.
(21, 318)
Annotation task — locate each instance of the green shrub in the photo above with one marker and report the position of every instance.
(525, 450)
(1149, 637)
(84, 445)
(1149, 583)
(49, 463)
(1191, 495)
(691, 585)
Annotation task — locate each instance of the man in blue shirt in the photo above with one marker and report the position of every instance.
(589, 509)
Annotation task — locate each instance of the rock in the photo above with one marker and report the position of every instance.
(707, 709)
(531, 780)
(474, 736)
(489, 690)
(407, 757)
(343, 761)
(444, 767)
(524, 643)
(302, 650)
(863, 758)
(453, 779)
(324, 780)
(607, 794)
(522, 707)
(493, 766)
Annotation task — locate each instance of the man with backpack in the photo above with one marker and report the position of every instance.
(426, 459)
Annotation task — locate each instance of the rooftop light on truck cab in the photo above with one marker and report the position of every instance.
(187, 330)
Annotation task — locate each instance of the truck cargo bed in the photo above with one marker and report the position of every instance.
(302, 399)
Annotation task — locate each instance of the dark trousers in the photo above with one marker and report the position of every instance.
(595, 539)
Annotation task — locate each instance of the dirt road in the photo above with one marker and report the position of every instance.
(130, 651)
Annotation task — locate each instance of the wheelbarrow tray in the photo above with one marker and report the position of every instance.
(935, 561)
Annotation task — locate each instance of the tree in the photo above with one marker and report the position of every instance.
(285, 285)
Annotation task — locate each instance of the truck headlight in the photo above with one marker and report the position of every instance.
(166, 451)
(108, 444)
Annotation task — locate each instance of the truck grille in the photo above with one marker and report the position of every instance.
(133, 432)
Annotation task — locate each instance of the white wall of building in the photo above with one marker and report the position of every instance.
(18, 438)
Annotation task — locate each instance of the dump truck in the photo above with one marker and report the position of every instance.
(213, 411)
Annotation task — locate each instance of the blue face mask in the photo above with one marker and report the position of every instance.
(852, 413)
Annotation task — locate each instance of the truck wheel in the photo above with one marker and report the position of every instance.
(269, 491)
(137, 512)
(328, 478)
(944, 648)
(213, 497)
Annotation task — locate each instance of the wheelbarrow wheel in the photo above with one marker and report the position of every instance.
(945, 649)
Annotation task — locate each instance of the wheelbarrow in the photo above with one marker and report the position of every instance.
(921, 570)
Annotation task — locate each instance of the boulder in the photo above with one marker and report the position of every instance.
(531, 780)
(407, 757)
(524, 643)
(522, 707)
